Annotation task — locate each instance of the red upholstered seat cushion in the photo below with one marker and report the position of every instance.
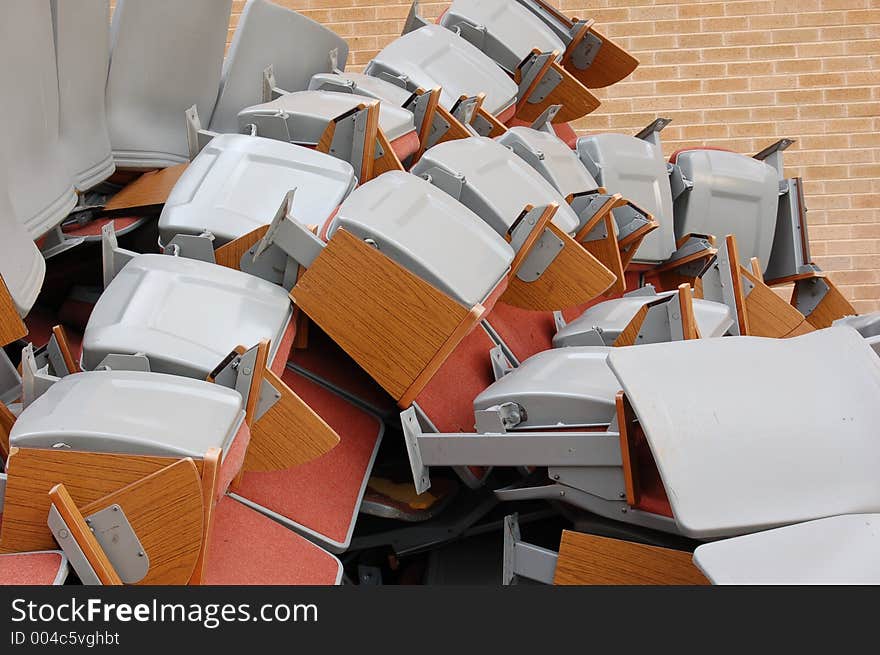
(323, 495)
(525, 332)
(93, 228)
(247, 548)
(234, 459)
(406, 145)
(282, 354)
(29, 568)
(507, 115)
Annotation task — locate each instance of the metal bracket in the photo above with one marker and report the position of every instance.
(61, 531)
(35, 381)
(498, 419)
(501, 366)
(523, 226)
(585, 52)
(236, 372)
(542, 255)
(113, 258)
(349, 137)
(772, 155)
(10, 380)
(523, 559)
(544, 122)
(120, 543)
(810, 293)
(56, 241)
(629, 219)
(464, 109)
(417, 105)
(190, 246)
(450, 183)
(116, 362)
(196, 137)
(270, 90)
(677, 181)
(333, 59)
(651, 133)
(414, 19)
(530, 68)
(559, 320)
(3, 481)
(290, 236)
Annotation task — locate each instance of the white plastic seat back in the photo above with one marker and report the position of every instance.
(836, 550)
(21, 263)
(82, 50)
(429, 233)
(128, 412)
(635, 169)
(548, 154)
(509, 30)
(185, 315)
(497, 185)
(40, 186)
(237, 182)
(166, 56)
(269, 35)
(731, 194)
(750, 433)
(432, 56)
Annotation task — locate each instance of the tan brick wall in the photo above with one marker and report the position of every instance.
(738, 74)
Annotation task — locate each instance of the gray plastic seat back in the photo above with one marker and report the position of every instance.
(363, 85)
(495, 183)
(548, 154)
(738, 451)
(295, 46)
(21, 263)
(427, 232)
(506, 31)
(39, 183)
(166, 56)
(635, 169)
(432, 56)
(82, 49)
(731, 194)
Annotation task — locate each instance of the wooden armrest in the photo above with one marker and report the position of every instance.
(70, 362)
(607, 251)
(12, 327)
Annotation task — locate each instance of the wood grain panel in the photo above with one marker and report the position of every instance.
(738, 292)
(12, 328)
(607, 252)
(574, 98)
(82, 535)
(387, 319)
(611, 65)
(147, 193)
(769, 315)
(166, 513)
(389, 161)
(230, 254)
(630, 333)
(591, 560)
(832, 307)
(87, 477)
(575, 277)
(64, 346)
(210, 481)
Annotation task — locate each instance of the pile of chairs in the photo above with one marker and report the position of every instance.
(266, 321)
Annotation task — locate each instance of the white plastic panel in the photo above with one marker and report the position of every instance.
(40, 186)
(184, 315)
(21, 263)
(82, 48)
(166, 56)
(364, 85)
(426, 231)
(311, 111)
(237, 182)
(497, 184)
(832, 551)
(131, 412)
(751, 433)
(635, 169)
(555, 161)
(432, 56)
(558, 388)
(512, 31)
(732, 194)
(267, 34)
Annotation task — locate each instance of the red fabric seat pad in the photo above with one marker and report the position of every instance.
(248, 548)
(29, 568)
(322, 495)
(524, 331)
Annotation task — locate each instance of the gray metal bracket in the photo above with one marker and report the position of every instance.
(120, 543)
(544, 122)
(694, 244)
(584, 53)
(523, 226)
(559, 320)
(49, 359)
(629, 219)
(196, 137)
(450, 183)
(56, 242)
(191, 246)
(772, 155)
(523, 559)
(503, 449)
(464, 109)
(677, 181)
(498, 419)
(71, 549)
(270, 89)
(530, 69)
(414, 19)
(810, 293)
(349, 137)
(417, 105)
(35, 381)
(338, 85)
(292, 237)
(237, 371)
(10, 380)
(116, 362)
(542, 255)
(3, 481)
(113, 258)
(501, 366)
(651, 132)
